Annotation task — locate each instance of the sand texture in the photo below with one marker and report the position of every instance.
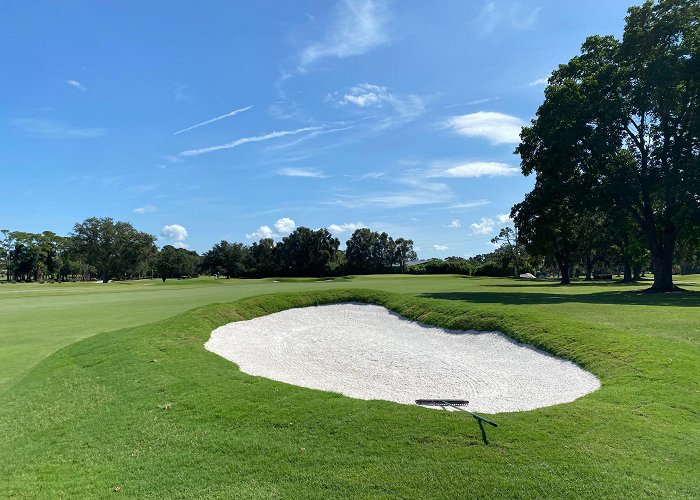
(368, 352)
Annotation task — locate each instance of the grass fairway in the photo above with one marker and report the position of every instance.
(140, 404)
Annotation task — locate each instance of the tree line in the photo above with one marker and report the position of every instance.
(104, 249)
(615, 149)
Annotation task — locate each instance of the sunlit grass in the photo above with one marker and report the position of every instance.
(148, 409)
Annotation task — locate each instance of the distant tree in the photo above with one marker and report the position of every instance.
(6, 245)
(174, 262)
(263, 258)
(229, 259)
(403, 253)
(508, 237)
(372, 252)
(113, 248)
(306, 252)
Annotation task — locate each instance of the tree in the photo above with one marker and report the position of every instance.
(306, 252)
(174, 262)
(509, 237)
(229, 259)
(263, 258)
(371, 252)
(621, 123)
(403, 253)
(113, 248)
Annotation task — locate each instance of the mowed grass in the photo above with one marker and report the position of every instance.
(146, 408)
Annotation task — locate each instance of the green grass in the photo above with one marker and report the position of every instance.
(80, 420)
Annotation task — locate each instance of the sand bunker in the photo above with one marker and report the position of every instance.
(368, 352)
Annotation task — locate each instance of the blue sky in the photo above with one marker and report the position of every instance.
(203, 121)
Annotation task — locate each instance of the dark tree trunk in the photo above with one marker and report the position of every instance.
(627, 278)
(589, 268)
(163, 278)
(563, 264)
(637, 273)
(662, 263)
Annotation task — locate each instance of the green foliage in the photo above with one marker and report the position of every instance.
(112, 248)
(618, 132)
(176, 262)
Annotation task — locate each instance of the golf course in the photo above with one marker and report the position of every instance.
(106, 388)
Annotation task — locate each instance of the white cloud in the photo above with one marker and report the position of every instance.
(146, 209)
(358, 26)
(455, 224)
(475, 169)
(538, 82)
(509, 15)
(221, 117)
(301, 172)
(245, 140)
(469, 204)
(348, 227)
(55, 130)
(405, 107)
(504, 219)
(498, 128)
(260, 233)
(441, 248)
(484, 226)
(76, 85)
(174, 232)
(285, 225)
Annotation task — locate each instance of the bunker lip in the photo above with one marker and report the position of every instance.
(368, 352)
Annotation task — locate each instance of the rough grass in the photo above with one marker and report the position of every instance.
(149, 410)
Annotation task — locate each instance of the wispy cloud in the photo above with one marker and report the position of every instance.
(320, 131)
(455, 224)
(498, 128)
(227, 115)
(475, 169)
(180, 93)
(419, 192)
(246, 140)
(348, 227)
(76, 85)
(469, 204)
(505, 15)
(357, 27)
(301, 172)
(146, 209)
(403, 107)
(54, 129)
(441, 248)
(538, 82)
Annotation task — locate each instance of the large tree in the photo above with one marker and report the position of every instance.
(306, 252)
(622, 119)
(113, 248)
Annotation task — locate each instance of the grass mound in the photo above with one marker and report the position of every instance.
(147, 409)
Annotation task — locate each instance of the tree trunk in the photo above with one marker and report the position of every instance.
(163, 278)
(563, 264)
(627, 278)
(637, 273)
(662, 262)
(589, 268)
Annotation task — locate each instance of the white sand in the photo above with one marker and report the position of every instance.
(367, 352)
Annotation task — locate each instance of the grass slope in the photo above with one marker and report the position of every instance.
(148, 409)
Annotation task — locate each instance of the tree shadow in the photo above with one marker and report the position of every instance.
(621, 297)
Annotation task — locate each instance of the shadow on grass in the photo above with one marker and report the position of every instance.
(622, 297)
